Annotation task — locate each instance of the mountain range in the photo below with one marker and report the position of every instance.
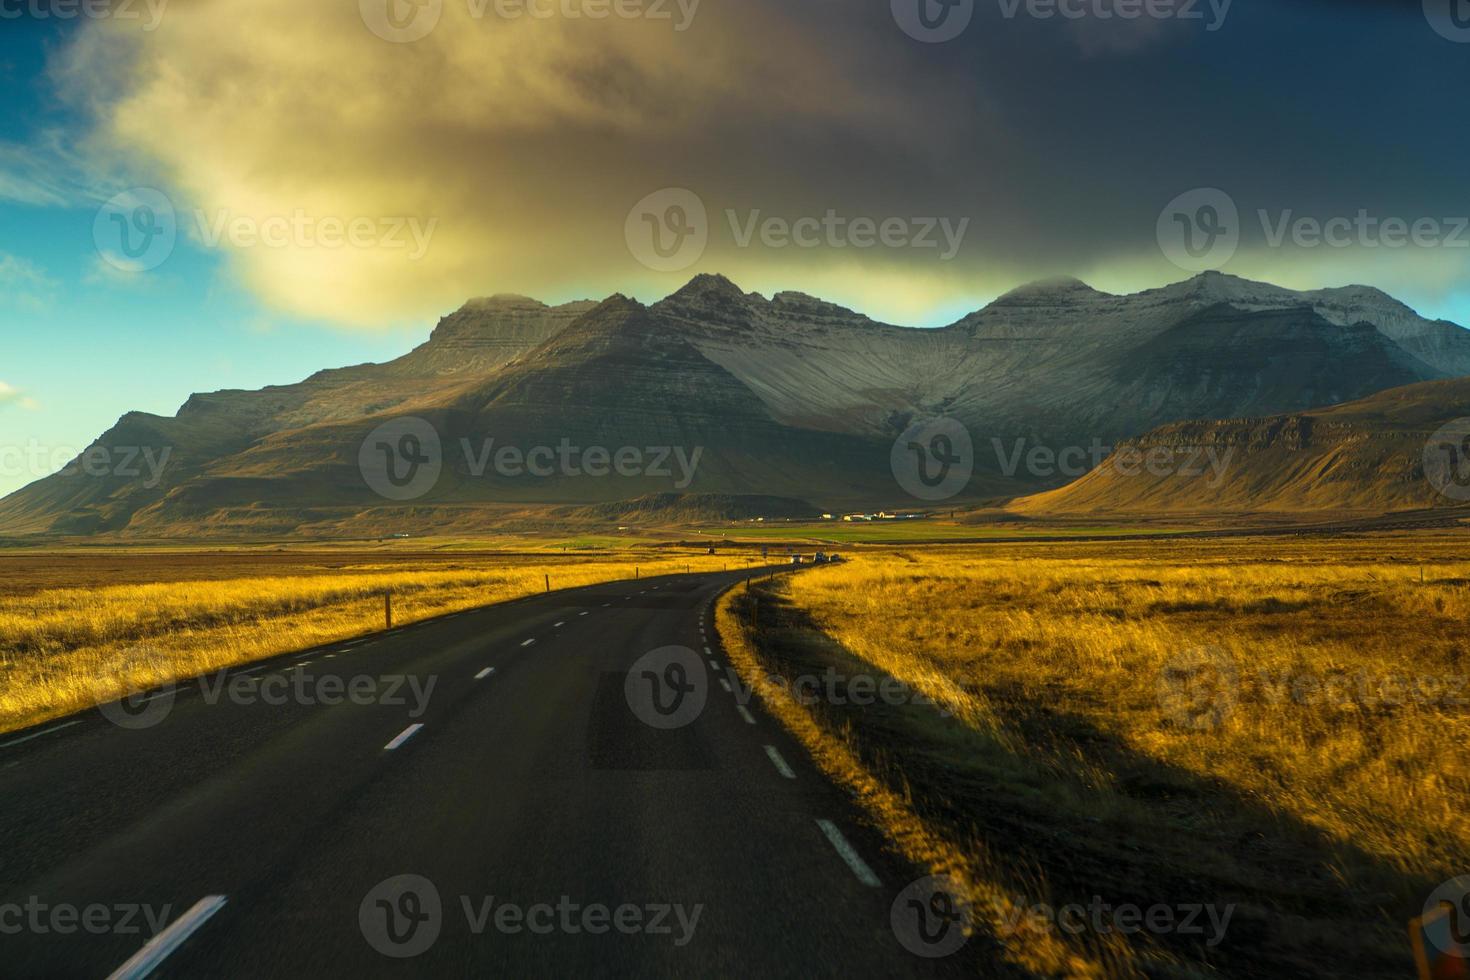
(787, 399)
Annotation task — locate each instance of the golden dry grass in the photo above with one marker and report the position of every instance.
(1282, 721)
(67, 648)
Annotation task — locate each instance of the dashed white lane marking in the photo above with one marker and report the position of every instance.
(606, 604)
(403, 736)
(582, 613)
(779, 762)
(559, 625)
(48, 731)
(726, 685)
(708, 652)
(749, 718)
(528, 643)
(157, 949)
(484, 673)
(713, 665)
(847, 853)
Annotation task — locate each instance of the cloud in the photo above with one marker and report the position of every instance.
(10, 395)
(24, 284)
(519, 146)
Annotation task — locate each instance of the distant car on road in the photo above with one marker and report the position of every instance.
(821, 558)
(796, 559)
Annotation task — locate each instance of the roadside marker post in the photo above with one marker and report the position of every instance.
(388, 609)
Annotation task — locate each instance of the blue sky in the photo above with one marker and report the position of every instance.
(520, 149)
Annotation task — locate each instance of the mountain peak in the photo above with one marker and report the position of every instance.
(1061, 289)
(503, 301)
(711, 286)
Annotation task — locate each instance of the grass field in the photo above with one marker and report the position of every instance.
(78, 628)
(1272, 729)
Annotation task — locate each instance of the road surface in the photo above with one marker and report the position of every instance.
(493, 797)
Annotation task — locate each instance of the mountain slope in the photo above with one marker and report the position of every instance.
(790, 397)
(1367, 456)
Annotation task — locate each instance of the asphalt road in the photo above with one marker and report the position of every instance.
(551, 817)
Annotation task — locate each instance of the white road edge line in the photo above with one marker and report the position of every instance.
(779, 762)
(484, 673)
(157, 949)
(847, 853)
(48, 731)
(403, 736)
(252, 670)
(749, 718)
